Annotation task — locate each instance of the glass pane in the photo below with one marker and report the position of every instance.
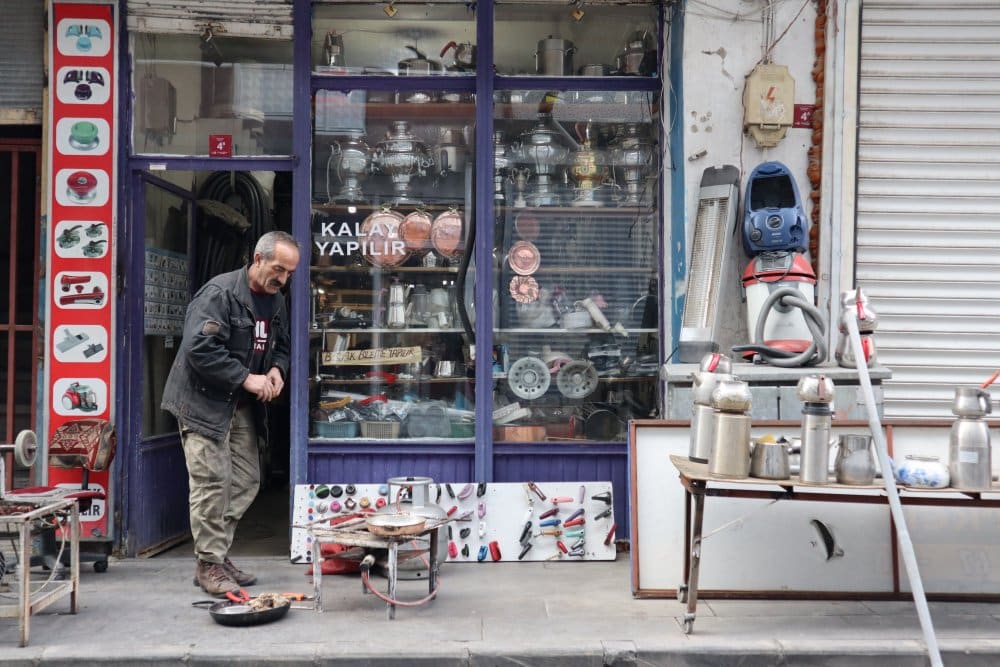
(189, 89)
(576, 331)
(167, 292)
(6, 187)
(394, 38)
(391, 275)
(575, 39)
(26, 287)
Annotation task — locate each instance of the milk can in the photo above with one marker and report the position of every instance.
(730, 455)
(816, 392)
(714, 369)
(970, 461)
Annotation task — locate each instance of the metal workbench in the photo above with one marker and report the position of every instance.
(34, 596)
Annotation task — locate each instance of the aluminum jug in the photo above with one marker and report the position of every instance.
(970, 461)
(396, 314)
(702, 414)
(971, 402)
(855, 463)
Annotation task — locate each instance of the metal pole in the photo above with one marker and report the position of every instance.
(902, 533)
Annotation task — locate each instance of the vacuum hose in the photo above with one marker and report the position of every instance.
(814, 354)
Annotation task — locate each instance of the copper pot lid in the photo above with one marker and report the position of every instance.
(524, 289)
(381, 244)
(446, 234)
(524, 258)
(415, 230)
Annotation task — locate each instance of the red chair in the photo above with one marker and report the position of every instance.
(88, 444)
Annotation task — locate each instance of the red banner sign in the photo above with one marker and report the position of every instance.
(79, 362)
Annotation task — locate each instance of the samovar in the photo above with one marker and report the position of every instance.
(588, 167)
(632, 154)
(350, 158)
(402, 156)
(542, 150)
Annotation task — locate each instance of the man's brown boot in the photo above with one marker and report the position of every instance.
(214, 579)
(239, 576)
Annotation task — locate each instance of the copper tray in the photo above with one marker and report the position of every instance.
(524, 258)
(524, 289)
(446, 234)
(382, 245)
(415, 230)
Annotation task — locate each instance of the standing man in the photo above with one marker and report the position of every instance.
(232, 361)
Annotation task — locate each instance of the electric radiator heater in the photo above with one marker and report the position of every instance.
(713, 280)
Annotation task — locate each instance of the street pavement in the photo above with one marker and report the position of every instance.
(556, 614)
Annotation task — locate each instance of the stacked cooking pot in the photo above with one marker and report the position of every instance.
(730, 455)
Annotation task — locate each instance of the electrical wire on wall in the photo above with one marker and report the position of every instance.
(229, 232)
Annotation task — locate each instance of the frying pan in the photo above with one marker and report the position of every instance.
(237, 614)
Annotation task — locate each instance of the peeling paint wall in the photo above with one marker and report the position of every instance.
(722, 44)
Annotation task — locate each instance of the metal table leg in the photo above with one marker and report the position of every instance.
(390, 608)
(432, 567)
(692, 584)
(317, 559)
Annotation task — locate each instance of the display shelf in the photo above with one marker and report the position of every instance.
(578, 212)
(599, 112)
(553, 330)
(442, 204)
(419, 112)
(384, 330)
(606, 379)
(326, 379)
(378, 270)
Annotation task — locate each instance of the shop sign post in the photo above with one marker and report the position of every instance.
(80, 252)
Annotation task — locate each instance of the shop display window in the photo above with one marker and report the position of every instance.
(394, 38)
(391, 278)
(576, 39)
(572, 331)
(575, 339)
(211, 95)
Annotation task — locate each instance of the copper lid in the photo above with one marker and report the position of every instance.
(415, 230)
(446, 234)
(524, 258)
(380, 242)
(524, 289)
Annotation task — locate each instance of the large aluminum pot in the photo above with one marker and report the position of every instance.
(554, 57)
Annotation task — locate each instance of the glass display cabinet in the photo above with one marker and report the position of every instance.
(566, 169)
(575, 341)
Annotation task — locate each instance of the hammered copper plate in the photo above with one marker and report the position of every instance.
(524, 289)
(379, 236)
(446, 234)
(415, 230)
(524, 258)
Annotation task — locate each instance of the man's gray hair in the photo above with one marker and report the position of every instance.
(266, 243)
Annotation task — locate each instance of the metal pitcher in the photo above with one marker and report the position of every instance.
(855, 463)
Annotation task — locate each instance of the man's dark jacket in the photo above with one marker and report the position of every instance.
(214, 357)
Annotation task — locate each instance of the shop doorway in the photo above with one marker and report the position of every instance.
(185, 227)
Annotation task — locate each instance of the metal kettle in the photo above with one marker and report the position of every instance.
(396, 314)
(465, 56)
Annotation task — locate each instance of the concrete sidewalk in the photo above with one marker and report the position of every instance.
(561, 614)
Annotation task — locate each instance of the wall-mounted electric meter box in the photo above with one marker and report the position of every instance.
(769, 103)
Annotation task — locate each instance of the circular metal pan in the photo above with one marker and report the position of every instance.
(524, 258)
(524, 289)
(415, 230)
(381, 243)
(577, 379)
(529, 378)
(446, 234)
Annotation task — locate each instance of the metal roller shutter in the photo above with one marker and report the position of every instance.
(244, 18)
(928, 195)
(22, 33)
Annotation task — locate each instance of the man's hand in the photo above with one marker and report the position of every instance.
(261, 387)
(274, 375)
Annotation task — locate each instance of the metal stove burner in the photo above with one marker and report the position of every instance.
(529, 378)
(577, 379)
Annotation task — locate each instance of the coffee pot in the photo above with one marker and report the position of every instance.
(730, 455)
(714, 369)
(816, 392)
(855, 304)
(464, 54)
(396, 314)
(970, 461)
(333, 49)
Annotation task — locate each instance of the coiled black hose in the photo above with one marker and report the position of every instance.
(220, 248)
(814, 354)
